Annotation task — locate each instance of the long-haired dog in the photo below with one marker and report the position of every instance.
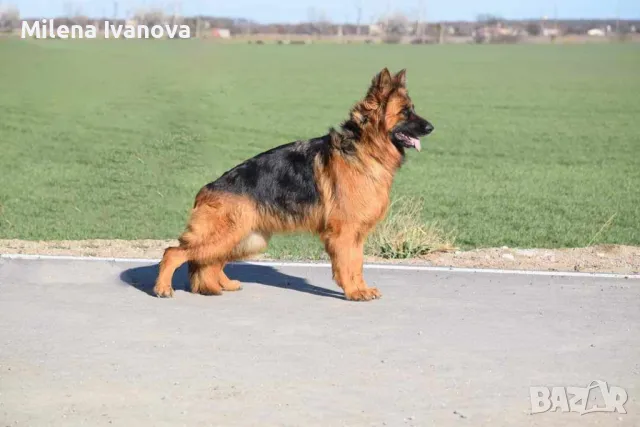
(336, 186)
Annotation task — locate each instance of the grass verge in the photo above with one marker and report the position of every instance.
(535, 146)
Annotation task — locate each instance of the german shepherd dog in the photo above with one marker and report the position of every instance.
(335, 186)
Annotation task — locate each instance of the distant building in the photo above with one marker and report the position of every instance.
(550, 32)
(221, 33)
(375, 30)
(490, 32)
(596, 32)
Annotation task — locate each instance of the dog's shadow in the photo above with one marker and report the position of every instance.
(143, 278)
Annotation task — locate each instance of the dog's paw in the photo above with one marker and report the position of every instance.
(209, 290)
(163, 291)
(231, 285)
(366, 294)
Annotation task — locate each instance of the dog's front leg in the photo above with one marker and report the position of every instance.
(346, 252)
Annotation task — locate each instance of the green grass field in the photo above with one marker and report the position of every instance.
(535, 146)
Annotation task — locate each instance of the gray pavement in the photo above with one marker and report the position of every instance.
(83, 343)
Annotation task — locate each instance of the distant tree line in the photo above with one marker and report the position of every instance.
(9, 18)
(393, 27)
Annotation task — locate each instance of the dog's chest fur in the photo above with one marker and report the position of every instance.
(361, 192)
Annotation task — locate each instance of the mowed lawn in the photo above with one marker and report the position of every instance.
(535, 146)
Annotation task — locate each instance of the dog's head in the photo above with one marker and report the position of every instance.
(389, 102)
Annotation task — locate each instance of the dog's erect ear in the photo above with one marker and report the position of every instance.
(401, 77)
(380, 88)
(382, 80)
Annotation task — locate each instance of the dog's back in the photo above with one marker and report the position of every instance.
(280, 180)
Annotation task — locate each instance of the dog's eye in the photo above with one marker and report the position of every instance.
(406, 112)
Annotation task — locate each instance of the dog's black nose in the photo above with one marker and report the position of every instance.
(428, 128)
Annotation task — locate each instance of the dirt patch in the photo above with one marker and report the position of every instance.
(601, 258)
(94, 248)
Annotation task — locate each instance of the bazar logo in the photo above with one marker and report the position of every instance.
(595, 397)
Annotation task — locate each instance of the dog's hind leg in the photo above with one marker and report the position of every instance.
(173, 258)
(254, 243)
(206, 266)
(205, 278)
(225, 283)
(210, 279)
(213, 232)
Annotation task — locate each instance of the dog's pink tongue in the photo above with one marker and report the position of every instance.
(416, 143)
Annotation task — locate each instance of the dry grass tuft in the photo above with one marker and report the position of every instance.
(403, 234)
(604, 228)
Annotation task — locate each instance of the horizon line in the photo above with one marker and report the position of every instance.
(297, 22)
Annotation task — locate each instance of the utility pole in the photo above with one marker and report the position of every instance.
(419, 22)
(115, 10)
(421, 18)
(198, 20)
(386, 28)
(177, 6)
(359, 7)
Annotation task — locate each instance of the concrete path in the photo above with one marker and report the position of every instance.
(83, 343)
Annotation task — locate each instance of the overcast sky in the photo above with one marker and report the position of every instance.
(345, 10)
